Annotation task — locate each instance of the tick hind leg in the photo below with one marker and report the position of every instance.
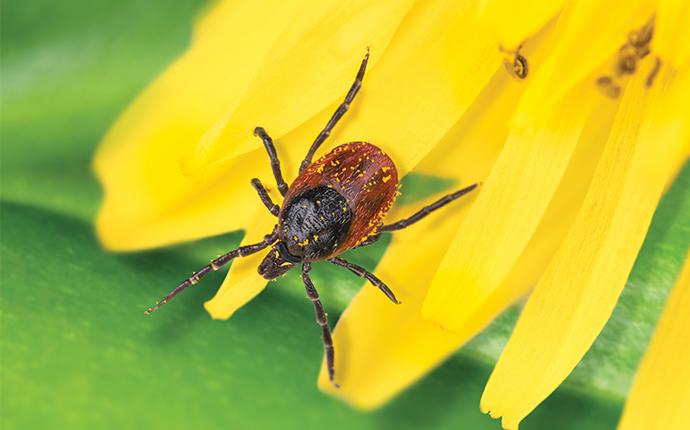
(426, 210)
(344, 106)
(216, 264)
(273, 156)
(321, 320)
(364, 273)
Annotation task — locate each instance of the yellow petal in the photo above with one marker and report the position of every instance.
(660, 395)
(672, 33)
(313, 65)
(381, 348)
(243, 282)
(577, 50)
(507, 212)
(576, 295)
(407, 120)
(148, 202)
(426, 81)
(513, 22)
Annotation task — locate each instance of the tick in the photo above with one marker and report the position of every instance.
(335, 204)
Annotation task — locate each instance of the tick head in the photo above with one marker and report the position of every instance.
(277, 262)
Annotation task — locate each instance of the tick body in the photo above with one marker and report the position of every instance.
(335, 204)
(338, 201)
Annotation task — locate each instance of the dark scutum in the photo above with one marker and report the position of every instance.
(314, 222)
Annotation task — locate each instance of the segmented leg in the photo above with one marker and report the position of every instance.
(364, 273)
(265, 198)
(344, 106)
(370, 240)
(216, 264)
(321, 320)
(428, 209)
(273, 156)
(417, 216)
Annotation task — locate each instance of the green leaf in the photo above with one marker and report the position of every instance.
(68, 68)
(76, 350)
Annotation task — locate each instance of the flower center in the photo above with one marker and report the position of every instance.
(630, 54)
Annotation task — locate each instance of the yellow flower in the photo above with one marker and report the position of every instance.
(574, 114)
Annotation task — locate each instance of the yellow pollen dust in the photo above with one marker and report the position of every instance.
(630, 55)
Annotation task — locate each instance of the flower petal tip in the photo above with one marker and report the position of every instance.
(488, 407)
(345, 392)
(484, 407)
(218, 312)
(110, 237)
(510, 425)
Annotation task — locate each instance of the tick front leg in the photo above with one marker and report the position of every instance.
(265, 198)
(364, 273)
(216, 264)
(322, 320)
(273, 156)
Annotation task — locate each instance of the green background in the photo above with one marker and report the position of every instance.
(76, 350)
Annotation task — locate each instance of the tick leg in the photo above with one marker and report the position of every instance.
(265, 198)
(321, 320)
(364, 273)
(273, 156)
(344, 106)
(216, 264)
(428, 209)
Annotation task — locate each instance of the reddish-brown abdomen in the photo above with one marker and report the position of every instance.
(364, 175)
